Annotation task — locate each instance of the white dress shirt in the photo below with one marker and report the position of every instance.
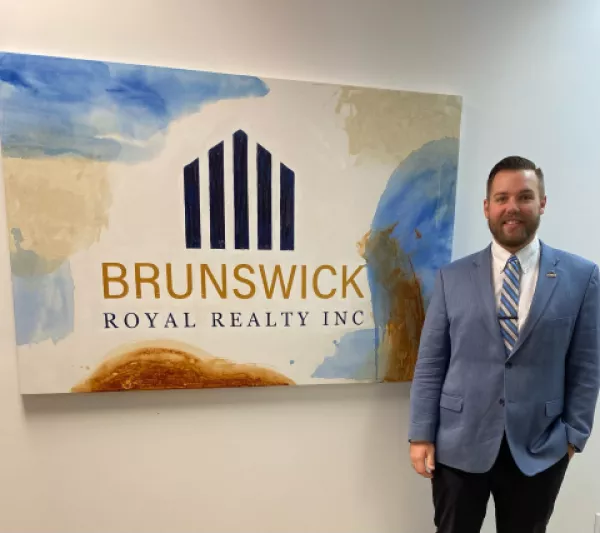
(529, 257)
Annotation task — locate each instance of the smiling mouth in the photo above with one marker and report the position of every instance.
(512, 222)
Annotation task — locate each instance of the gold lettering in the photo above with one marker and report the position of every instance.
(316, 290)
(303, 287)
(246, 281)
(189, 286)
(276, 281)
(139, 279)
(277, 276)
(350, 281)
(106, 279)
(221, 289)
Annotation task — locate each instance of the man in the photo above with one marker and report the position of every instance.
(508, 372)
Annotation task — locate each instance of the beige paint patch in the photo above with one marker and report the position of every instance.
(388, 125)
(55, 206)
(26, 263)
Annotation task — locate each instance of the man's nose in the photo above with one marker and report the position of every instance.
(512, 205)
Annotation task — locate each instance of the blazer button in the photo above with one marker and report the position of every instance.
(501, 401)
(509, 365)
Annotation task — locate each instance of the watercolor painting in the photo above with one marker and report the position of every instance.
(175, 228)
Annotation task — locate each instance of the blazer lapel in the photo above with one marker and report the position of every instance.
(484, 288)
(547, 281)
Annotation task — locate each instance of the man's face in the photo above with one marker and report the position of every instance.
(514, 207)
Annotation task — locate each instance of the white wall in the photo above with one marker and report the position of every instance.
(323, 459)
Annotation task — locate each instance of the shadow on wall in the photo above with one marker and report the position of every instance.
(139, 401)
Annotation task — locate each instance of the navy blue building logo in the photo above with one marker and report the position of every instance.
(216, 182)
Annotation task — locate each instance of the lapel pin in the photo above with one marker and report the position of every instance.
(551, 274)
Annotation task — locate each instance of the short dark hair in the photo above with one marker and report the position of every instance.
(515, 162)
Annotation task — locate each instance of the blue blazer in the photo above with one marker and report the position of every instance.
(467, 393)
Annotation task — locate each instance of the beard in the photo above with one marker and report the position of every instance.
(518, 237)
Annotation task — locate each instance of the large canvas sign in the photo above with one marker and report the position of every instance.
(182, 229)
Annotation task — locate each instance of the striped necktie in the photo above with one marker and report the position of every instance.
(508, 314)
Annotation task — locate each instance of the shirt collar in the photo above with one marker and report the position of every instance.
(528, 256)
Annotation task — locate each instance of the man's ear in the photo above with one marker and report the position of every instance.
(543, 205)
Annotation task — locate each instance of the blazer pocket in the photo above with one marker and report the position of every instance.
(453, 403)
(554, 408)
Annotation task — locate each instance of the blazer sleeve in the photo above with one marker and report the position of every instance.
(431, 367)
(582, 380)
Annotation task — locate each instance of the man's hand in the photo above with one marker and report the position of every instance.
(422, 457)
(571, 451)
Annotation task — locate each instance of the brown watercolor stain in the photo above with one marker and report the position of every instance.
(164, 365)
(388, 125)
(55, 207)
(401, 332)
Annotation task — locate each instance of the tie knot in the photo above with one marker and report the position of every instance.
(514, 262)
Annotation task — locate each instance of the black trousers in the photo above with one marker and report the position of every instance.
(523, 504)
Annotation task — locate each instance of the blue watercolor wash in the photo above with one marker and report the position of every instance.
(104, 111)
(420, 195)
(354, 358)
(44, 306)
